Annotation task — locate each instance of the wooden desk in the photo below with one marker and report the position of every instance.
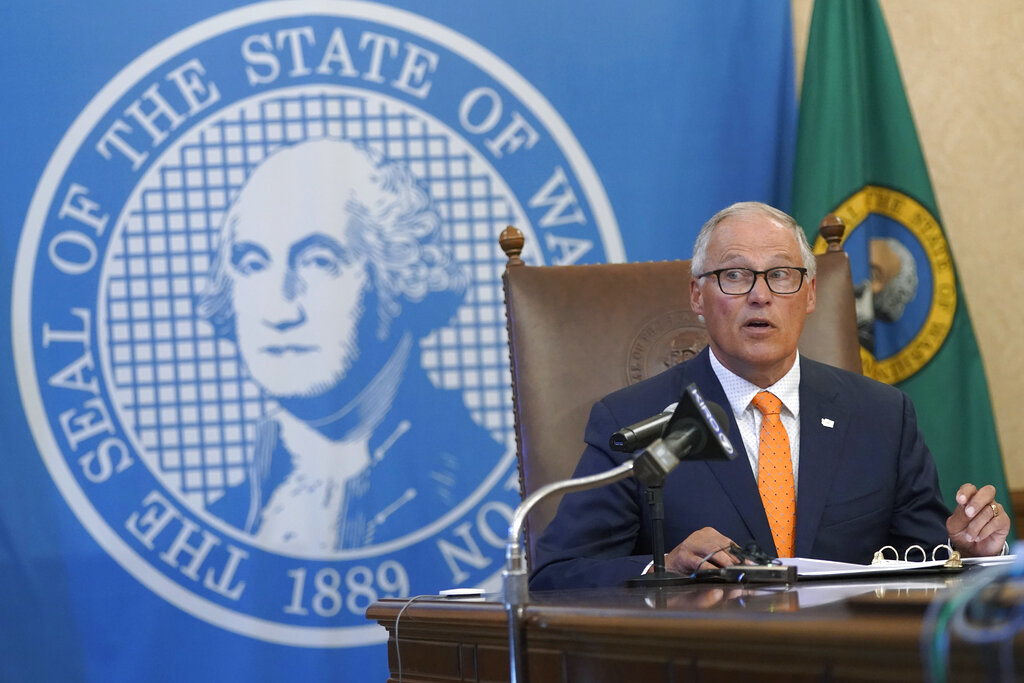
(813, 632)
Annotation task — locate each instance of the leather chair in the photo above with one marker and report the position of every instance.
(577, 333)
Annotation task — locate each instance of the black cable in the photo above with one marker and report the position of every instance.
(751, 552)
(975, 618)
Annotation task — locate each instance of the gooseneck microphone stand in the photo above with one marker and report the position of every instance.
(694, 432)
(515, 574)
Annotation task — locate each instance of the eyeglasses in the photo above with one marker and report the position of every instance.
(738, 281)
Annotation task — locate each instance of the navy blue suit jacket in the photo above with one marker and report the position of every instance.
(866, 481)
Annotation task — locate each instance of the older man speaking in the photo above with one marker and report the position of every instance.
(835, 465)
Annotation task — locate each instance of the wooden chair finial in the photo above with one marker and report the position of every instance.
(512, 241)
(832, 229)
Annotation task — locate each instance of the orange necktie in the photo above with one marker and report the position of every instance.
(775, 474)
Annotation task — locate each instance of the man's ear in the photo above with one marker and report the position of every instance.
(696, 297)
(812, 294)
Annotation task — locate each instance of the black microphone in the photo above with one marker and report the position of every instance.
(640, 434)
(690, 435)
(697, 430)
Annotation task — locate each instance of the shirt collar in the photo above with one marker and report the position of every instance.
(740, 392)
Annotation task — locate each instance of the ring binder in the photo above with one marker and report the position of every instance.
(953, 560)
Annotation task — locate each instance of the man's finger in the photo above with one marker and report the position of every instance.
(988, 522)
(981, 499)
(723, 559)
(964, 493)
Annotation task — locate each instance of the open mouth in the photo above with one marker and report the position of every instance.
(759, 324)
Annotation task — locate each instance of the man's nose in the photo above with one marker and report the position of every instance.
(283, 309)
(760, 292)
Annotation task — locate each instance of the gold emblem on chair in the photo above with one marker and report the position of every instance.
(664, 341)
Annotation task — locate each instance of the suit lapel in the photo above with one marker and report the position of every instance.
(823, 425)
(735, 476)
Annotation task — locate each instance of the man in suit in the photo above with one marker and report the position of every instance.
(858, 473)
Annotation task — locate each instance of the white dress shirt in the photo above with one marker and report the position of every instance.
(740, 393)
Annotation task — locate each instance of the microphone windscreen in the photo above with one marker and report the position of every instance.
(721, 417)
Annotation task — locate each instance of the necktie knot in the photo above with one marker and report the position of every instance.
(767, 402)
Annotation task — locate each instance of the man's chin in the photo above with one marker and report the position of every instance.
(290, 382)
(285, 393)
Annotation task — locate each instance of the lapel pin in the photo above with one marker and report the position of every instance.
(826, 422)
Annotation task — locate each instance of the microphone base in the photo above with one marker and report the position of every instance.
(658, 580)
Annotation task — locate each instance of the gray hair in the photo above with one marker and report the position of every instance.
(396, 230)
(900, 290)
(751, 209)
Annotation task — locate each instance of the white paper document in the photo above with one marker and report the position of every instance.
(808, 568)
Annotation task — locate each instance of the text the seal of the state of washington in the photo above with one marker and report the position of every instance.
(257, 311)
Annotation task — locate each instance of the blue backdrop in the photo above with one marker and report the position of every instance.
(146, 147)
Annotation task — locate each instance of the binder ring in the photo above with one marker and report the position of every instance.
(924, 555)
(880, 554)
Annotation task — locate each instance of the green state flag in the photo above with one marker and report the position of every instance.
(858, 157)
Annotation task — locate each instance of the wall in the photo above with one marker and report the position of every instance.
(963, 69)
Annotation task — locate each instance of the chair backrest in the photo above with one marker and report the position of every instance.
(577, 333)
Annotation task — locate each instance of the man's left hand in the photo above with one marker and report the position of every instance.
(979, 525)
